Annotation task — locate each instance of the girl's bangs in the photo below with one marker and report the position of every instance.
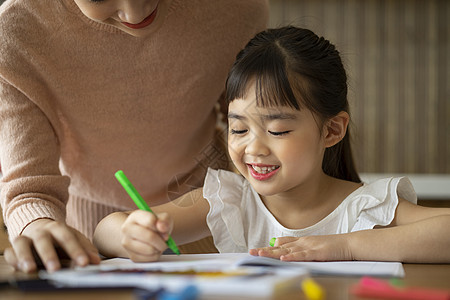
(270, 78)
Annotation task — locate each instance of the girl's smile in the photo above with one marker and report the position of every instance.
(262, 172)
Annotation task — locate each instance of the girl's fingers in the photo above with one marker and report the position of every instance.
(281, 247)
(142, 251)
(143, 218)
(148, 228)
(302, 254)
(145, 258)
(253, 252)
(285, 239)
(296, 256)
(139, 248)
(162, 222)
(308, 248)
(273, 252)
(142, 244)
(145, 236)
(164, 225)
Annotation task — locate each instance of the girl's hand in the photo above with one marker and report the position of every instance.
(308, 248)
(44, 236)
(144, 235)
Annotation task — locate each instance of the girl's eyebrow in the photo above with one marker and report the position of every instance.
(266, 117)
(232, 115)
(279, 116)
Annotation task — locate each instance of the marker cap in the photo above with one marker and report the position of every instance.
(272, 241)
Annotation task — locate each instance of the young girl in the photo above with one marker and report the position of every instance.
(288, 138)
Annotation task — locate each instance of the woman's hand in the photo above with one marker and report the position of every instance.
(144, 235)
(45, 235)
(308, 248)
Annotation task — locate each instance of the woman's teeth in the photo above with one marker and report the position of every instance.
(264, 170)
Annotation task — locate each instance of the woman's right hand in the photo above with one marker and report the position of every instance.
(144, 235)
(44, 236)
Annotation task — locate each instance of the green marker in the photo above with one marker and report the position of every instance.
(272, 242)
(141, 204)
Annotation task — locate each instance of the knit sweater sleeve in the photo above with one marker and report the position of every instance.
(32, 187)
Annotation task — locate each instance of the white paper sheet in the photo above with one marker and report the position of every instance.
(335, 268)
(212, 274)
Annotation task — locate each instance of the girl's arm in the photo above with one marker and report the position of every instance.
(417, 235)
(141, 236)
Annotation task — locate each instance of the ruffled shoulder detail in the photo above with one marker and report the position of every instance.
(376, 202)
(224, 191)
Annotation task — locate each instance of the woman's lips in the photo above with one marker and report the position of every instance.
(147, 21)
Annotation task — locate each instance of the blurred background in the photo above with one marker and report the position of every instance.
(397, 56)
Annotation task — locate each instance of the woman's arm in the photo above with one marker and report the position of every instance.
(141, 236)
(33, 191)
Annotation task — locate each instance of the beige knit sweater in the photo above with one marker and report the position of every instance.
(80, 100)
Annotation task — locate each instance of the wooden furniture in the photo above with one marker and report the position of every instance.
(419, 275)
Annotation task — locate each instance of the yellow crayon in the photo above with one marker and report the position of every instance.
(312, 290)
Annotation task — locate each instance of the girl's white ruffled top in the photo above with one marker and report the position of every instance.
(239, 220)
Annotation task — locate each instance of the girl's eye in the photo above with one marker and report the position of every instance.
(233, 131)
(279, 133)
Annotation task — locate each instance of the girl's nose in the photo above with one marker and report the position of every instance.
(256, 147)
(133, 11)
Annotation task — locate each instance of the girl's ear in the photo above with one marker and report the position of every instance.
(336, 128)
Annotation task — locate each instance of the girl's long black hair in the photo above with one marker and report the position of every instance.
(294, 67)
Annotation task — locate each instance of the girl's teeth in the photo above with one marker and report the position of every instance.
(264, 170)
